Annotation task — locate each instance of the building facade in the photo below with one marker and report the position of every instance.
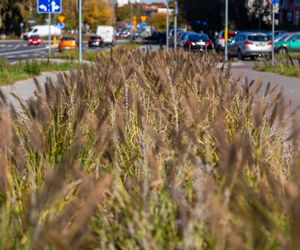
(124, 2)
(289, 12)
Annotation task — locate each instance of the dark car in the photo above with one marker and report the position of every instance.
(95, 41)
(196, 41)
(156, 38)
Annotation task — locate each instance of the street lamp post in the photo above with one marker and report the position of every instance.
(273, 33)
(175, 25)
(131, 18)
(80, 31)
(226, 31)
(167, 26)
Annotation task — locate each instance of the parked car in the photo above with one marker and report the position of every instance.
(156, 38)
(34, 40)
(289, 44)
(250, 45)
(181, 37)
(66, 43)
(107, 33)
(42, 31)
(171, 35)
(196, 41)
(220, 41)
(95, 41)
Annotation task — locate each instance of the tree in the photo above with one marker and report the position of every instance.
(123, 13)
(100, 13)
(158, 20)
(260, 9)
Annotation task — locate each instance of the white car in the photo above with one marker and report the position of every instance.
(248, 44)
(107, 33)
(42, 31)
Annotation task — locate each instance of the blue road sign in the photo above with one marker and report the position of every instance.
(49, 6)
(274, 1)
(143, 24)
(60, 25)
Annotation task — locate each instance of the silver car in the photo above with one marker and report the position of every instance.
(248, 44)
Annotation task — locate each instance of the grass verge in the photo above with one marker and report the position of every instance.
(9, 73)
(280, 68)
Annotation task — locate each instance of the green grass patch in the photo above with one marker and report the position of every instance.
(9, 73)
(279, 68)
(284, 56)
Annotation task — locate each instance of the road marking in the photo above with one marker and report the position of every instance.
(21, 51)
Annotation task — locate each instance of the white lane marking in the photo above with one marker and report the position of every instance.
(21, 51)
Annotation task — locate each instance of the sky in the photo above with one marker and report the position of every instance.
(151, 1)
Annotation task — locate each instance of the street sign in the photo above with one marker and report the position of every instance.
(273, 2)
(143, 25)
(49, 6)
(60, 25)
(61, 18)
(143, 18)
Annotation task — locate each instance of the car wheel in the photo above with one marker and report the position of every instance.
(282, 50)
(240, 55)
(253, 58)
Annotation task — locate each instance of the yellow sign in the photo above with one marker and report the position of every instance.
(226, 34)
(61, 18)
(143, 18)
(134, 18)
(134, 23)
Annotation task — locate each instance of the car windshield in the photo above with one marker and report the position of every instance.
(95, 37)
(68, 38)
(35, 36)
(259, 38)
(283, 38)
(196, 37)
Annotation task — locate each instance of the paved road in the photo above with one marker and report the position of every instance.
(290, 85)
(15, 50)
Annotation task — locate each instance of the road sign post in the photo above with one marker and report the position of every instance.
(49, 41)
(167, 26)
(49, 6)
(226, 31)
(273, 2)
(175, 25)
(80, 30)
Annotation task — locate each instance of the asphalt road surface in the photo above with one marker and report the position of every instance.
(15, 50)
(290, 85)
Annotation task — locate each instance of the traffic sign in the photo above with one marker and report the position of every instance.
(143, 25)
(60, 25)
(143, 18)
(49, 6)
(61, 18)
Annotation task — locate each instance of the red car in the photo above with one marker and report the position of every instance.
(34, 40)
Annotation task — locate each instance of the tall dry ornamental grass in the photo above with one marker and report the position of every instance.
(150, 151)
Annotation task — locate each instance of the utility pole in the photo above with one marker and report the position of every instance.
(131, 18)
(175, 25)
(80, 31)
(273, 30)
(226, 31)
(167, 26)
(49, 41)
